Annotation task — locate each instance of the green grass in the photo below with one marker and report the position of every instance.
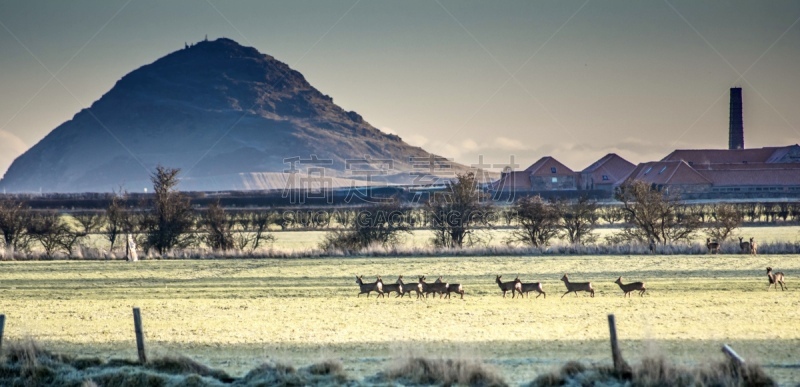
(234, 314)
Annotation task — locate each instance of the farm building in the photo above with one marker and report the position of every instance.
(547, 174)
(603, 174)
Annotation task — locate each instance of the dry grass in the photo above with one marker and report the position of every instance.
(442, 372)
(657, 372)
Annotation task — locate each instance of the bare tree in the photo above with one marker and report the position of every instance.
(380, 223)
(655, 215)
(115, 219)
(537, 219)
(577, 219)
(14, 219)
(217, 227)
(455, 213)
(52, 233)
(169, 222)
(612, 214)
(724, 220)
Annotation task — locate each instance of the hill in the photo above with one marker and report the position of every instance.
(218, 110)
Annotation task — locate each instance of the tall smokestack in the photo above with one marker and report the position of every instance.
(736, 131)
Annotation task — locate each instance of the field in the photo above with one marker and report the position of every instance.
(235, 314)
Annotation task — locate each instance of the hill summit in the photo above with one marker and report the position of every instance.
(217, 110)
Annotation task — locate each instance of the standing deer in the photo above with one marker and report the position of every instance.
(775, 279)
(628, 288)
(395, 287)
(744, 246)
(408, 288)
(436, 287)
(367, 288)
(529, 287)
(452, 288)
(513, 286)
(753, 247)
(713, 247)
(577, 286)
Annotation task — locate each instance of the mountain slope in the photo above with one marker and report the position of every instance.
(213, 109)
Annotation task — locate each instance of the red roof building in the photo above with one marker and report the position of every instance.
(603, 174)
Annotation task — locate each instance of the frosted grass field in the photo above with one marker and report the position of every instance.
(235, 314)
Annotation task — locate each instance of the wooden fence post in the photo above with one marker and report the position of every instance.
(137, 324)
(2, 328)
(619, 363)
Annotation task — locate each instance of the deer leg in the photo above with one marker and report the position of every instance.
(567, 292)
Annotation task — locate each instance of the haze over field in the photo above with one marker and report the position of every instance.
(571, 79)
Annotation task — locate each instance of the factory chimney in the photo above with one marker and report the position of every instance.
(736, 131)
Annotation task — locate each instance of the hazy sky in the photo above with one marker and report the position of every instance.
(570, 79)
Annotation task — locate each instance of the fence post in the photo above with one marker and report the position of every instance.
(619, 363)
(137, 324)
(2, 328)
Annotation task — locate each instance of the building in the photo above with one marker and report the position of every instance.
(547, 174)
(603, 174)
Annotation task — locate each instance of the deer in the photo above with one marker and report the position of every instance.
(529, 287)
(576, 286)
(713, 247)
(452, 288)
(744, 246)
(633, 286)
(513, 286)
(395, 287)
(408, 288)
(367, 288)
(775, 279)
(436, 287)
(753, 247)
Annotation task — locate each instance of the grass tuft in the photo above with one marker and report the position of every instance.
(445, 372)
(652, 372)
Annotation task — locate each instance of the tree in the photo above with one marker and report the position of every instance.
(52, 233)
(115, 219)
(725, 218)
(612, 214)
(218, 228)
(655, 215)
(537, 219)
(169, 221)
(380, 223)
(456, 212)
(14, 219)
(577, 219)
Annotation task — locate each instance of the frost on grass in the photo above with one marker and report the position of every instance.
(28, 364)
(657, 372)
(441, 372)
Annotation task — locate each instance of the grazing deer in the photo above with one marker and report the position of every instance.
(514, 286)
(744, 246)
(529, 287)
(628, 288)
(367, 288)
(452, 288)
(408, 288)
(713, 247)
(395, 287)
(438, 286)
(775, 279)
(753, 247)
(577, 286)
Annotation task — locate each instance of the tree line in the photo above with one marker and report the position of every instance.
(456, 216)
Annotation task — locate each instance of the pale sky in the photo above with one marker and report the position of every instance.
(569, 79)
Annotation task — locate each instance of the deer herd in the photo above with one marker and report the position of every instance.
(744, 247)
(516, 287)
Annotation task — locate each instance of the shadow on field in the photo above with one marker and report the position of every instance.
(28, 364)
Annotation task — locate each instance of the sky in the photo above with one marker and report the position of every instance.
(465, 79)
